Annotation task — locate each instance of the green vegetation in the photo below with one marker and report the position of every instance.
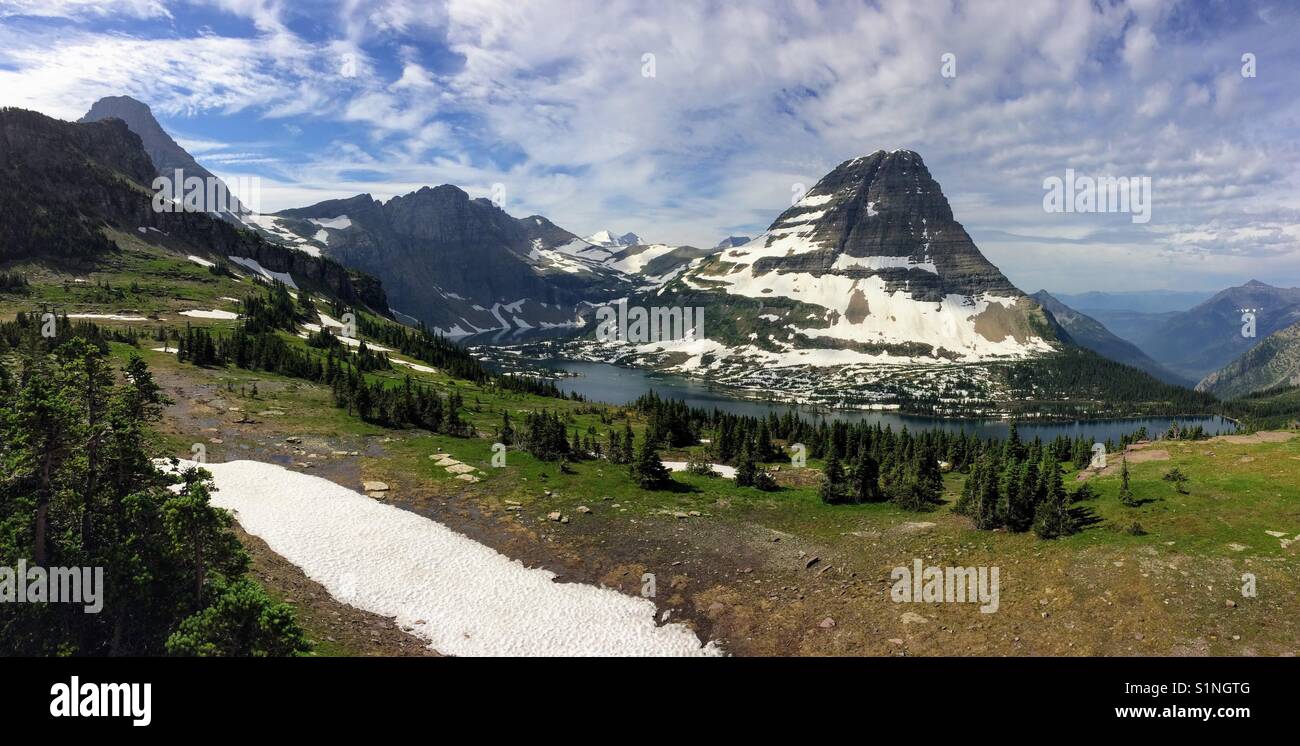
(79, 490)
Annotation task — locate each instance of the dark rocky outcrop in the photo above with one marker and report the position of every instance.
(61, 183)
(888, 205)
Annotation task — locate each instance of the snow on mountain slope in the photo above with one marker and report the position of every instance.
(609, 239)
(870, 261)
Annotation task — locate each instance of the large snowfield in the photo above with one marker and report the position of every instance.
(461, 596)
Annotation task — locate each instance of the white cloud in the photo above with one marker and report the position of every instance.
(549, 99)
(84, 10)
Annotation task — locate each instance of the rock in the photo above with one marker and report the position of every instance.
(896, 640)
(468, 478)
(916, 526)
(694, 514)
(1276, 534)
(565, 519)
(374, 486)
(679, 514)
(460, 469)
(377, 495)
(513, 502)
(911, 617)
(437, 456)
(583, 509)
(446, 462)
(553, 515)
(1237, 547)
(811, 561)
(827, 623)
(546, 493)
(1230, 604)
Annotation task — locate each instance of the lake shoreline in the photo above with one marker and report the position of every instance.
(570, 373)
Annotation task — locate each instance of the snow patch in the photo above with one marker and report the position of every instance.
(263, 272)
(462, 597)
(213, 314)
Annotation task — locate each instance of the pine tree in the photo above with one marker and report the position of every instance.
(834, 488)
(986, 508)
(866, 479)
(167, 555)
(1053, 519)
(747, 470)
(1125, 493)
(627, 444)
(1020, 497)
(507, 434)
(648, 471)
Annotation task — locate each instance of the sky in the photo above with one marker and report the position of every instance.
(685, 122)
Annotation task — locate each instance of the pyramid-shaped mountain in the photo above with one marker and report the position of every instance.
(870, 266)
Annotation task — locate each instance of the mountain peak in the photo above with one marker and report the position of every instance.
(731, 242)
(609, 239)
(884, 215)
(166, 154)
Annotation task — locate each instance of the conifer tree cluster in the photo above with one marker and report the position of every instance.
(1020, 487)
(78, 489)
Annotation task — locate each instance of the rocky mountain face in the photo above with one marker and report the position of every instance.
(869, 268)
(1199, 341)
(460, 265)
(57, 179)
(463, 266)
(1086, 331)
(1273, 363)
(65, 187)
(166, 154)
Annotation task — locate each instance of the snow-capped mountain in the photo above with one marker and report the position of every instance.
(610, 239)
(869, 271)
(463, 266)
(870, 266)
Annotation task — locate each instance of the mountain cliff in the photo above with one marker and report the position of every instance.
(64, 186)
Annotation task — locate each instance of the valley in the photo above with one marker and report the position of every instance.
(867, 416)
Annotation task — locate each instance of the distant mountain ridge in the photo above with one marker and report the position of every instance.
(1199, 341)
(1086, 331)
(1142, 301)
(609, 239)
(464, 266)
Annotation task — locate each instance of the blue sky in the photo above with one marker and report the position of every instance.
(746, 102)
